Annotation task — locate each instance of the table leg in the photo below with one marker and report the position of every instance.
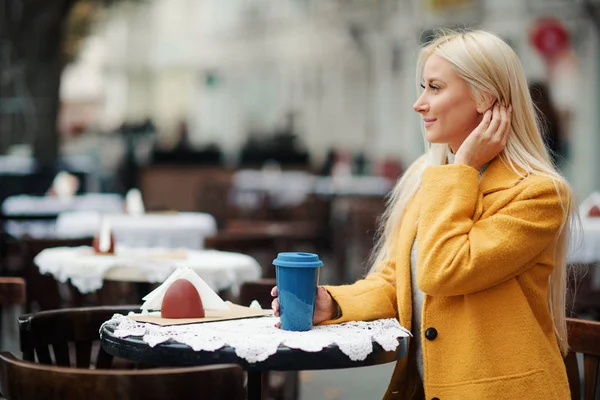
(254, 385)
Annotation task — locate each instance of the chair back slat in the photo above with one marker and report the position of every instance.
(584, 337)
(29, 355)
(43, 355)
(590, 366)
(83, 354)
(61, 354)
(22, 380)
(103, 360)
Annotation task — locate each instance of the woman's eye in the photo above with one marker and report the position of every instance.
(430, 86)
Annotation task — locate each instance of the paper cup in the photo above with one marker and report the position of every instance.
(297, 279)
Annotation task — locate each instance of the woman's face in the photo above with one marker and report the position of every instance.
(446, 104)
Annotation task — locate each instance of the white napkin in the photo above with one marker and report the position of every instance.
(210, 300)
(134, 204)
(104, 236)
(65, 185)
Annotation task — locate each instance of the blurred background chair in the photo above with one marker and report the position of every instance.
(12, 301)
(24, 380)
(43, 291)
(584, 339)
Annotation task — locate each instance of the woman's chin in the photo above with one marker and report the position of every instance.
(433, 138)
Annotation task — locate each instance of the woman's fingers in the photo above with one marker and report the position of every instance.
(275, 302)
(485, 122)
(506, 133)
(275, 307)
(494, 125)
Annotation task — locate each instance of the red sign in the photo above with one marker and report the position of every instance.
(549, 36)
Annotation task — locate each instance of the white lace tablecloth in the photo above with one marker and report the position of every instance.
(177, 230)
(255, 339)
(87, 271)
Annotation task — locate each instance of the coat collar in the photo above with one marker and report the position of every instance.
(499, 175)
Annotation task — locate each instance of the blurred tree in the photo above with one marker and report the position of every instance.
(37, 39)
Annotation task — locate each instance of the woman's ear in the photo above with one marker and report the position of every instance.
(487, 101)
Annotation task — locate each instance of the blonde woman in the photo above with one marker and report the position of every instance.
(471, 257)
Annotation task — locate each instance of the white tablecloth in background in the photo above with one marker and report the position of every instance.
(284, 188)
(87, 271)
(585, 247)
(585, 243)
(24, 204)
(29, 205)
(290, 188)
(177, 230)
(353, 186)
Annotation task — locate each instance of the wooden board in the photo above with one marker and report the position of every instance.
(235, 312)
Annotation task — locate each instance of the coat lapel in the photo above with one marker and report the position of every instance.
(406, 237)
(499, 176)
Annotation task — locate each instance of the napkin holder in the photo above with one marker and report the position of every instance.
(215, 308)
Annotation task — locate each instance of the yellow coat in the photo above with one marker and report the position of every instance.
(485, 254)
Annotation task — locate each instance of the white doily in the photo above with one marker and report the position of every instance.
(255, 339)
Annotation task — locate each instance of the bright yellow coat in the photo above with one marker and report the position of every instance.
(485, 251)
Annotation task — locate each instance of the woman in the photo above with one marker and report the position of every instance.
(471, 257)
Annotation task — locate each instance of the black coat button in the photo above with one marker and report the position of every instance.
(431, 334)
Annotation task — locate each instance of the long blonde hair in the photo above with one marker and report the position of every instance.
(490, 67)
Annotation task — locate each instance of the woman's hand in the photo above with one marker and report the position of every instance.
(325, 306)
(488, 139)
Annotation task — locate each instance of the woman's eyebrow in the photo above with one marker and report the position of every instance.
(433, 78)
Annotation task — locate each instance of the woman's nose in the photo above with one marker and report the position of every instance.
(420, 106)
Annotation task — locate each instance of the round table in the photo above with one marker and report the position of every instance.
(285, 359)
(87, 271)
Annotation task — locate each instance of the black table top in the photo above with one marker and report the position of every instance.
(285, 359)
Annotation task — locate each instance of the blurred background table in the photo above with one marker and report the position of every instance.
(584, 259)
(87, 271)
(16, 210)
(171, 230)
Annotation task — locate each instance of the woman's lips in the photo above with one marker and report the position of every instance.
(429, 122)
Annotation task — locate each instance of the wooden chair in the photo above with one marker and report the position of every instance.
(584, 337)
(72, 334)
(12, 293)
(272, 237)
(9, 245)
(43, 291)
(23, 380)
(282, 385)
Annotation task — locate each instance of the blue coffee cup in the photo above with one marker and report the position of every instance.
(297, 279)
